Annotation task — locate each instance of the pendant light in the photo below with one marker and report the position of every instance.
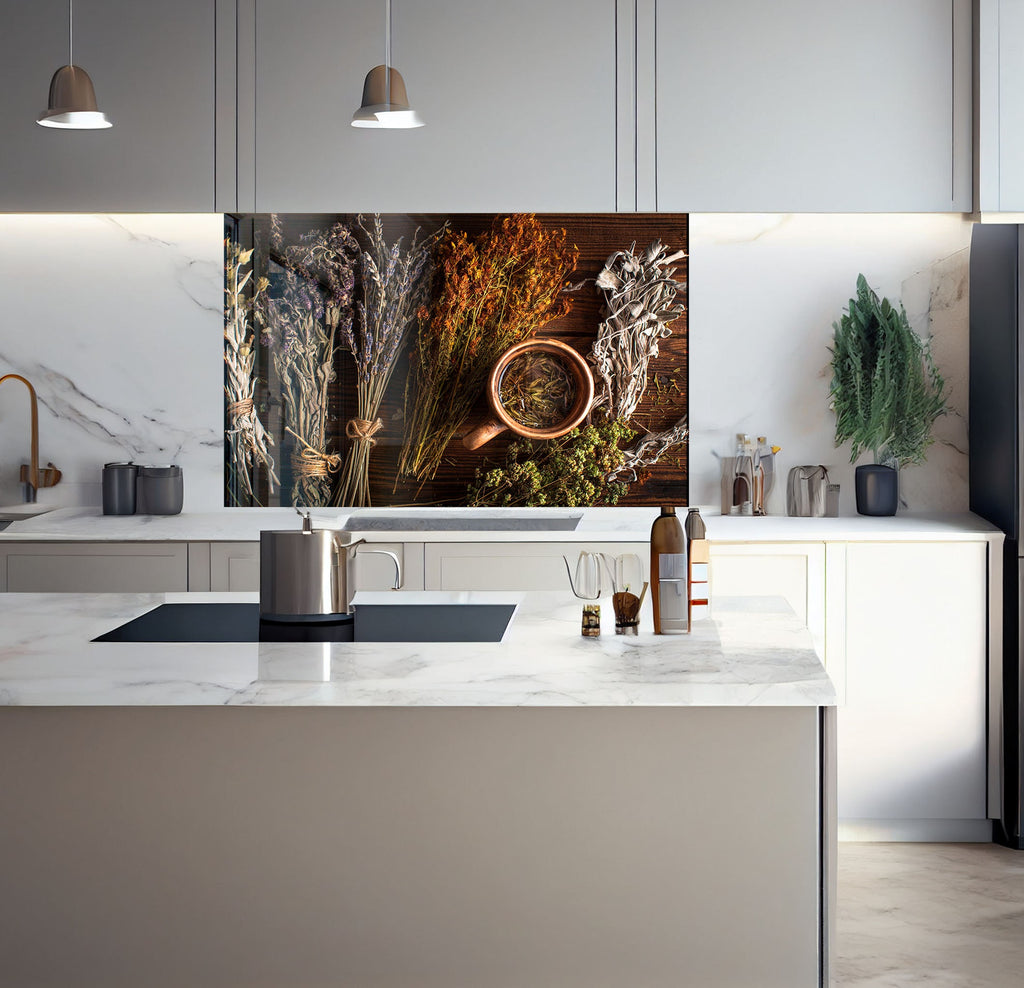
(72, 104)
(385, 103)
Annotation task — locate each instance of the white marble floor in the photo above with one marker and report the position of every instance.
(942, 915)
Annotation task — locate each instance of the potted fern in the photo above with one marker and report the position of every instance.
(886, 393)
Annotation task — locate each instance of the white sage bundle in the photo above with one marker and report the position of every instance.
(640, 295)
(647, 451)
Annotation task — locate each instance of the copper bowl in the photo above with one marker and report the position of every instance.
(582, 377)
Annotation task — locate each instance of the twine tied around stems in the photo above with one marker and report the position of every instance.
(236, 409)
(310, 462)
(363, 430)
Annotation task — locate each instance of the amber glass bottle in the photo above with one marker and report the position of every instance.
(668, 573)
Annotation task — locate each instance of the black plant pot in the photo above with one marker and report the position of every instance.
(878, 489)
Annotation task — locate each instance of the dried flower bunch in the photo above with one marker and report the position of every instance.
(304, 316)
(395, 283)
(495, 290)
(572, 471)
(248, 441)
(640, 293)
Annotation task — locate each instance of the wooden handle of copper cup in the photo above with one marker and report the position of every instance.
(483, 434)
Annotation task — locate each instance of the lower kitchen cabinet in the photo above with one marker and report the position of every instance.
(99, 567)
(512, 565)
(903, 629)
(912, 750)
(794, 571)
(235, 566)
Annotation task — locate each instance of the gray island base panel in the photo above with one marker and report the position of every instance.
(653, 840)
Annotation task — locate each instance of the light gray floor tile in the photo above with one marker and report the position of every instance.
(942, 915)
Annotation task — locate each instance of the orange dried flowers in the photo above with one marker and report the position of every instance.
(494, 290)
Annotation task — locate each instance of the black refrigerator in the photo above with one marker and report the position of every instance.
(996, 465)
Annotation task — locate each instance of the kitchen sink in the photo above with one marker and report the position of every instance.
(240, 622)
(507, 521)
(18, 512)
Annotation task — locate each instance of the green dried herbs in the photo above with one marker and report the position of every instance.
(571, 471)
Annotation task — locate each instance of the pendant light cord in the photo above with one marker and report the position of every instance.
(387, 52)
(71, 32)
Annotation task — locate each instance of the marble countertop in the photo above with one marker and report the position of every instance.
(418, 525)
(753, 652)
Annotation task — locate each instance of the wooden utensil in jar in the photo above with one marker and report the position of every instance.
(539, 389)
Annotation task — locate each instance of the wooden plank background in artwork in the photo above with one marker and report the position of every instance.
(596, 236)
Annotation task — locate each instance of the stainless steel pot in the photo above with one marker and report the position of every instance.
(305, 573)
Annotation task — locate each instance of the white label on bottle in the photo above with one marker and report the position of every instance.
(672, 566)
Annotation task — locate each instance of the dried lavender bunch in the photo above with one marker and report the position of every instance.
(647, 452)
(248, 440)
(639, 303)
(303, 320)
(395, 285)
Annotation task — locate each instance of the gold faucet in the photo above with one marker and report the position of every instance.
(29, 476)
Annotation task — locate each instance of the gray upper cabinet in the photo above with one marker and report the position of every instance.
(800, 105)
(999, 55)
(519, 101)
(153, 69)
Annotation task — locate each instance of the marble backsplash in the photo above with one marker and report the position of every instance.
(117, 320)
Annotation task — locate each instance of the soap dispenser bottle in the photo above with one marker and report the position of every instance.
(668, 573)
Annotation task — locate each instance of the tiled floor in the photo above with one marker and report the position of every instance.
(941, 915)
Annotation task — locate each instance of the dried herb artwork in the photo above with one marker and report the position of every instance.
(369, 349)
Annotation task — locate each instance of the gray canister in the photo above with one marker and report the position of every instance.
(119, 488)
(160, 490)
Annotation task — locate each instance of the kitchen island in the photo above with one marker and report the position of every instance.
(544, 810)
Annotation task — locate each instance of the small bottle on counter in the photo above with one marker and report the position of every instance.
(591, 622)
(698, 561)
(668, 574)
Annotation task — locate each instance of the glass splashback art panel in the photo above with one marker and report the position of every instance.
(463, 360)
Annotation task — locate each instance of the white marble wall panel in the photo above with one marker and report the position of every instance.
(764, 292)
(117, 321)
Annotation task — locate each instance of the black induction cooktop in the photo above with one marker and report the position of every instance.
(235, 622)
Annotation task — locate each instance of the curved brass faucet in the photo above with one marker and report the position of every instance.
(30, 475)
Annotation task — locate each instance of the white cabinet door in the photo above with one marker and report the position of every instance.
(96, 567)
(800, 105)
(153, 69)
(518, 100)
(235, 566)
(794, 571)
(513, 565)
(912, 734)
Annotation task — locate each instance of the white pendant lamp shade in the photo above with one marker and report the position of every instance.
(385, 103)
(72, 103)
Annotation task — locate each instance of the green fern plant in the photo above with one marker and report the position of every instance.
(886, 391)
